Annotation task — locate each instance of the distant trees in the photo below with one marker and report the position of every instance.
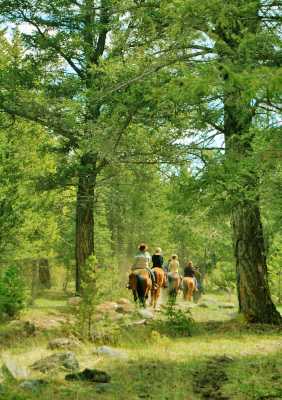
(129, 93)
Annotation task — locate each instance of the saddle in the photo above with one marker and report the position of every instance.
(140, 271)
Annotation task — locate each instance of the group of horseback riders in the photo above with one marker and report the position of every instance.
(144, 261)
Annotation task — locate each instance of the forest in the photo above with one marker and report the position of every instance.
(140, 121)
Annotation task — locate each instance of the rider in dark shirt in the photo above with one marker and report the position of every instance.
(189, 271)
(157, 260)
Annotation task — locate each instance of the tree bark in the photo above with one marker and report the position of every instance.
(253, 290)
(249, 248)
(44, 273)
(248, 240)
(84, 216)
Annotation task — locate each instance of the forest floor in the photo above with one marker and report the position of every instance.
(224, 358)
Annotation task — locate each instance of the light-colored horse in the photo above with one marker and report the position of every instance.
(189, 287)
(174, 282)
(160, 281)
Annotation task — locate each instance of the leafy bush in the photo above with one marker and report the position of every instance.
(223, 277)
(176, 322)
(12, 292)
(99, 284)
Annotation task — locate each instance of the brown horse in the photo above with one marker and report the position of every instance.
(189, 287)
(174, 282)
(160, 282)
(140, 283)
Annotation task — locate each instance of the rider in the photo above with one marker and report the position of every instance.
(174, 264)
(142, 261)
(189, 271)
(158, 262)
(157, 258)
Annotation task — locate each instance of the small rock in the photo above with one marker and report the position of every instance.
(125, 308)
(223, 359)
(13, 369)
(102, 387)
(100, 337)
(25, 328)
(123, 301)
(47, 323)
(233, 315)
(106, 307)
(227, 305)
(111, 352)
(57, 360)
(140, 322)
(33, 384)
(92, 375)
(192, 305)
(74, 301)
(203, 305)
(63, 343)
(147, 314)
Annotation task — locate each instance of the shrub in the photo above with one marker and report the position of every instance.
(12, 292)
(223, 277)
(176, 322)
(180, 322)
(99, 284)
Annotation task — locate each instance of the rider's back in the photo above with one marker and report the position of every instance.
(141, 260)
(157, 260)
(173, 266)
(189, 272)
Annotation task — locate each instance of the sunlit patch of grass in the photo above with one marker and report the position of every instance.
(258, 377)
(160, 366)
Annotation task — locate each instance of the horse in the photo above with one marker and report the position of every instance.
(160, 282)
(174, 282)
(140, 283)
(189, 287)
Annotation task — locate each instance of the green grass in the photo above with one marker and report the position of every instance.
(161, 365)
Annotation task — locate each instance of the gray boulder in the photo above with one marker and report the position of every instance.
(14, 370)
(58, 360)
(63, 343)
(146, 314)
(33, 384)
(111, 352)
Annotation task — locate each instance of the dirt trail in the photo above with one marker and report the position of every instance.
(208, 381)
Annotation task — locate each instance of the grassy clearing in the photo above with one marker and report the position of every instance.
(161, 365)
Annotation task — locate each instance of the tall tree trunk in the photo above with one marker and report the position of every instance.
(44, 273)
(84, 216)
(249, 248)
(253, 290)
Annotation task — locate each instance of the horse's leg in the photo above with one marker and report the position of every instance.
(144, 300)
(190, 291)
(157, 295)
(135, 295)
(152, 297)
(184, 293)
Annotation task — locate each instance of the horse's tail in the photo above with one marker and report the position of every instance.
(140, 288)
(171, 286)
